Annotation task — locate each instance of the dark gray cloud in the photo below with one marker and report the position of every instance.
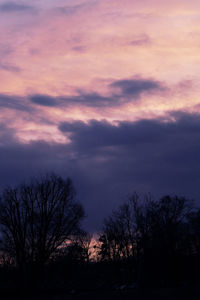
(100, 134)
(44, 100)
(15, 103)
(147, 156)
(84, 99)
(137, 86)
(122, 91)
(92, 100)
(107, 163)
(11, 7)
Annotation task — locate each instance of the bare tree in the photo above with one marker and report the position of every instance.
(143, 226)
(37, 218)
(117, 240)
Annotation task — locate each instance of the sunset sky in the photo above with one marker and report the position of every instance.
(105, 92)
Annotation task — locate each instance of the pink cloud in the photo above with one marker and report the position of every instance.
(86, 45)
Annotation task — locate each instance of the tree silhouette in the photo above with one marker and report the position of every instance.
(78, 250)
(37, 218)
(150, 233)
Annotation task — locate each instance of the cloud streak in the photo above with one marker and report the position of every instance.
(143, 40)
(10, 68)
(14, 103)
(14, 7)
(136, 87)
(122, 91)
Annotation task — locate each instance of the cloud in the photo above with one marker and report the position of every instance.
(7, 135)
(100, 134)
(97, 136)
(10, 68)
(69, 10)
(15, 103)
(44, 100)
(121, 91)
(5, 49)
(155, 156)
(86, 99)
(92, 99)
(79, 49)
(11, 7)
(143, 40)
(108, 162)
(137, 86)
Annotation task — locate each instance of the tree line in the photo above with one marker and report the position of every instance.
(149, 240)
(161, 239)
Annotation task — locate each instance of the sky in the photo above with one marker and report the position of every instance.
(104, 92)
